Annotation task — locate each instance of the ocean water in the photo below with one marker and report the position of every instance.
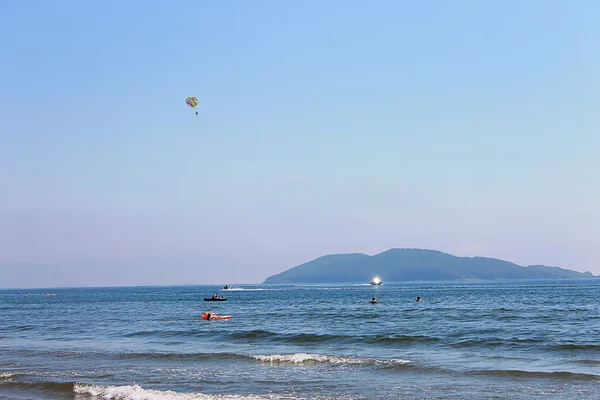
(477, 340)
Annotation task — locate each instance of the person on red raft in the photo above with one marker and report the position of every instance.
(208, 316)
(211, 316)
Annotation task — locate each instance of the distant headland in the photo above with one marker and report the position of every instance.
(402, 265)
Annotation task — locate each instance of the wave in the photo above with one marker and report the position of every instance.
(293, 358)
(261, 335)
(292, 338)
(49, 387)
(496, 342)
(513, 373)
(128, 392)
(308, 338)
(401, 338)
(587, 362)
(168, 334)
(179, 356)
(547, 344)
(304, 358)
(135, 392)
(253, 334)
(19, 328)
(8, 375)
(388, 364)
(575, 346)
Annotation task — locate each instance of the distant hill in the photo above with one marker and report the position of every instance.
(401, 265)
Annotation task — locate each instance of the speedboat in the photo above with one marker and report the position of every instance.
(376, 281)
(215, 299)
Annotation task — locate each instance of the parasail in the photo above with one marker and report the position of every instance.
(192, 101)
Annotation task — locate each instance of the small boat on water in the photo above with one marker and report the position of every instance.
(376, 281)
(215, 299)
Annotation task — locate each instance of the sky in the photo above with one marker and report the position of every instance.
(469, 127)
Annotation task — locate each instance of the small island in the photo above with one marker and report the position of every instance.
(404, 265)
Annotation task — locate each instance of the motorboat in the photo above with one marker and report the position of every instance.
(215, 299)
(376, 281)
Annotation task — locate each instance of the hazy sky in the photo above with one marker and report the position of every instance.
(324, 126)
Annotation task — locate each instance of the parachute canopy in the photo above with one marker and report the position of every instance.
(192, 101)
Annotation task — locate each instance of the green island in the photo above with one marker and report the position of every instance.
(402, 265)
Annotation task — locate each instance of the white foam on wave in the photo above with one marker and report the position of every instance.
(301, 358)
(7, 375)
(136, 392)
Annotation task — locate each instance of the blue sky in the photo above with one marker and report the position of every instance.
(343, 126)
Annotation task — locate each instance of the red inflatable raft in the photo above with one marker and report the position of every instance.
(212, 316)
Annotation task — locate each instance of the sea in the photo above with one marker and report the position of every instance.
(464, 340)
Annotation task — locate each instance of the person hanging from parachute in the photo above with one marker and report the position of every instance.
(192, 101)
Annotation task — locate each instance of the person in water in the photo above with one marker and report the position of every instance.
(210, 316)
(373, 300)
(418, 298)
